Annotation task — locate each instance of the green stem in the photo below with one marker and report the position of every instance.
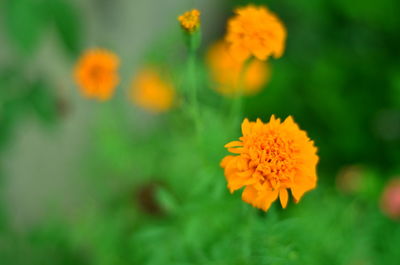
(193, 88)
(237, 102)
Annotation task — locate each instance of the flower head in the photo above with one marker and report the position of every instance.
(390, 200)
(255, 31)
(96, 73)
(272, 158)
(226, 72)
(190, 20)
(152, 92)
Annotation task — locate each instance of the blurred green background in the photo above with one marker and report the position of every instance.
(83, 182)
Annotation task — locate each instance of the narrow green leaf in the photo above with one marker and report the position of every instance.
(24, 21)
(68, 25)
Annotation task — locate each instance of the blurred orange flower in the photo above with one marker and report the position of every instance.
(96, 73)
(190, 20)
(152, 92)
(272, 158)
(255, 31)
(226, 72)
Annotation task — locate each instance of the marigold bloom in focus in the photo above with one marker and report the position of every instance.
(390, 200)
(96, 73)
(226, 72)
(255, 31)
(190, 20)
(271, 159)
(152, 92)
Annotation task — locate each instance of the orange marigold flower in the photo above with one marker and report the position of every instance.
(272, 158)
(226, 72)
(255, 31)
(152, 92)
(96, 73)
(190, 20)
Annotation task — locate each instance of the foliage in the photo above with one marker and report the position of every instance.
(157, 192)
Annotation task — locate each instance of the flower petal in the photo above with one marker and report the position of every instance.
(233, 144)
(225, 161)
(298, 190)
(265, 201)
(235, 182)
(249, 195)
(246, 127)
(236, 150)
(283, 197)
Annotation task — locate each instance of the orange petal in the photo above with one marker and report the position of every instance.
(283, 197)
(239, 52)
(233, 144)
(235, 183)
(245, 174)
(297, 193)
(289, 119)
(236, 150)
(267, 199)
(249, 195)
(299, 190)
(302, 184)
(261, 54)
(258, 125)
(225, 161)
(245, 127)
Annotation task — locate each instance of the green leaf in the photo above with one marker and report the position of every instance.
(68, 25)
(24, 20)
(383, 15)
(167, 200)
(43, 103)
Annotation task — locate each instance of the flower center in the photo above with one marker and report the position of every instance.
(272, 158)
(96, 72)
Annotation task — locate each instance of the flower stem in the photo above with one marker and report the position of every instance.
(237, 102)
(192, 80)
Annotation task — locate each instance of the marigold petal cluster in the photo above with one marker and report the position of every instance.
(255, 31)
(190, 20)
(96, 74)
(151, 91)
(271, 159)
(227, 72)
